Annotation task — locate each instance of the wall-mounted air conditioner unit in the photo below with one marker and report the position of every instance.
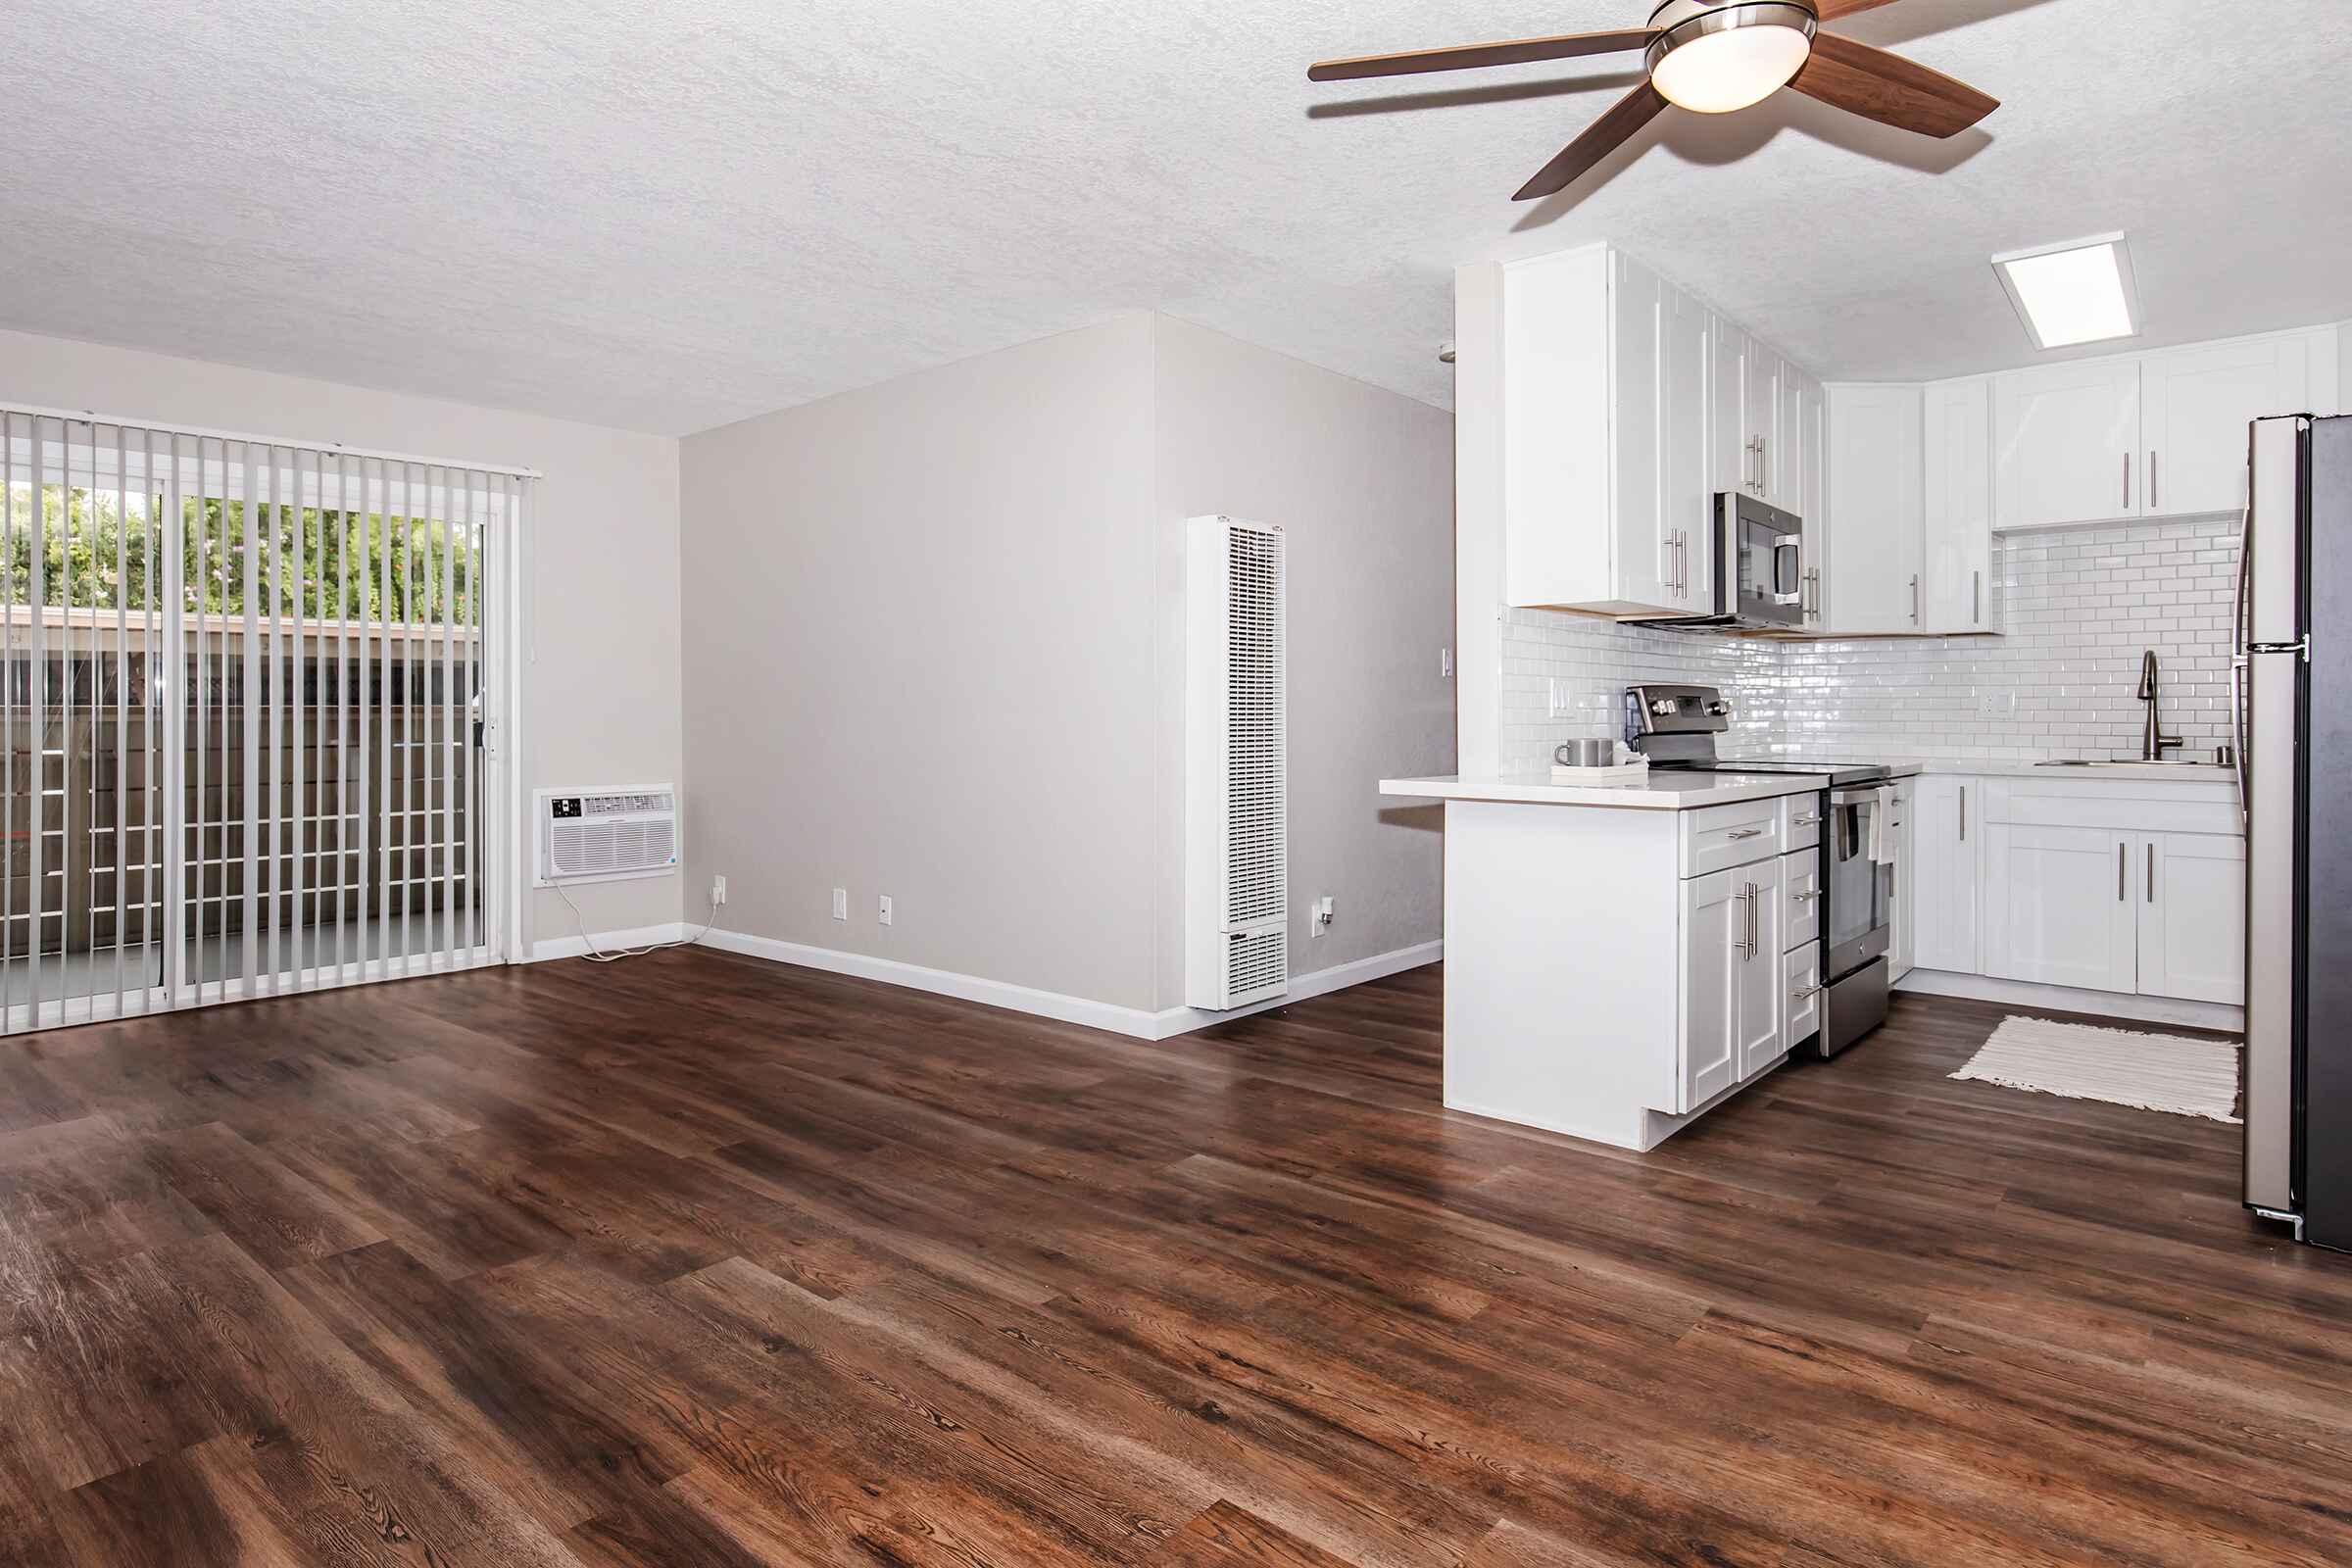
(603, 835)
(1236, 817)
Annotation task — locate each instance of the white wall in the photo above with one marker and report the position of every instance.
(936, 651)
(602, 676)
(1363, 483)
(919, 662)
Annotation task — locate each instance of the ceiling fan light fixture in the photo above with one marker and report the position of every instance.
(1714, 59)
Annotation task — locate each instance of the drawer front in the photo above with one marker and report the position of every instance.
(1801, 995)
(1800, 821)
(1800, 894)
(2128, 805)
(1716, 838)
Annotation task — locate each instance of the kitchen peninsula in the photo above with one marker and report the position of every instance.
(1620, 959)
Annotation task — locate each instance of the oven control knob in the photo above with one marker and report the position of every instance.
(1663, 707)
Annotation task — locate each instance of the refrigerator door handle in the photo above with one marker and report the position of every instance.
(2238, 639)
(2237, 730)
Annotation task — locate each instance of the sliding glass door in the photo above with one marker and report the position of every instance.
(249, 688)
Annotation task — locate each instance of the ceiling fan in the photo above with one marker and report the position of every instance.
(1715, 56)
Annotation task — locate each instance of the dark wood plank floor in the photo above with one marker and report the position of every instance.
(697, 1261)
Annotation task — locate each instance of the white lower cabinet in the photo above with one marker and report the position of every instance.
(2060, 912)
(1713, 918)
(1946, 826)
(2192, 916)
(1902, 920)
(1801, 995)
(1731, 979)
(2070, 883)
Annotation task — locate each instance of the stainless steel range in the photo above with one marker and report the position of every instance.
(1675, 727)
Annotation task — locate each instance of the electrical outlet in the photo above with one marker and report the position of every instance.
(882, 911)
(719, 891)
(1444, 664)
(1322, 912)
(1996, 705)
(841, 904)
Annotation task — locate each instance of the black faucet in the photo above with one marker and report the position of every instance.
(2153, 742)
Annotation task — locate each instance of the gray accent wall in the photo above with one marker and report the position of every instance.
(936, 651)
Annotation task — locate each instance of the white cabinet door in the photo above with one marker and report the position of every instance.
(1815, 438)
(1787, 438)
(1800, 996)
(2192, 916)
(1946, 828)
(1688, 458)
(1756, 971)
(1873, 582)
(1728, 431)
(2199, 403)
(1903, 920)
(1957, 524)
(1760, 402)
(1637, 335)
(1714, 930)
(2066, 444)
(2058, 907)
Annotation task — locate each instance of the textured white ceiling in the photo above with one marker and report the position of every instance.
(670, 216)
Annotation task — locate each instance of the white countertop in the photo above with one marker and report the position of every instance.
(2001, 768)
(1665, 790)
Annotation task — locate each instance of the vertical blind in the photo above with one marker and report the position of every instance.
(247, 696)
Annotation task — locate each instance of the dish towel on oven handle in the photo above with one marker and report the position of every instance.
(1881, 826)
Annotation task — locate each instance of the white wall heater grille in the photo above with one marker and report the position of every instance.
(603, 835)
(1237, 828)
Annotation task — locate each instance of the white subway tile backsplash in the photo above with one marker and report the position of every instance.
(2075, 610)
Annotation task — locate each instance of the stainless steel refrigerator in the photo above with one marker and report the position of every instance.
(2292, 679)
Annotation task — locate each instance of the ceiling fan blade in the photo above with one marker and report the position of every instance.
(1887, 88)
(1831, 10)
(1463, 58)
(1600, 138)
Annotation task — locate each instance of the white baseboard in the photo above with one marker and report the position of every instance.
(1183, 1020)
(2070, 998)
(573, 947)
(1135, 1021)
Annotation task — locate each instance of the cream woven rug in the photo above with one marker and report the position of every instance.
(2121, 1066)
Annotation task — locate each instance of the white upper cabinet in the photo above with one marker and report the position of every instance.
(1813, 418)
(2066, 440)
(2195, 405)
(2146, 435)
(1956, 526)
(1616, 416)
(1727, 429)
(1787, 440)
(1689, 456)
(1874, 544)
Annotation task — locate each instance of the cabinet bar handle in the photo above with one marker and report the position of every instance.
(1975, 617)
(1745, 832)
(2119, 874)
(1914, 599)
(2126, 481)
(1964, 814)
(1752, 922)
(2151, 479)
(1666, 559)
(2151, 849)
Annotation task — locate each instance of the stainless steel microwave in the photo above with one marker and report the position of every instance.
(1760, 575)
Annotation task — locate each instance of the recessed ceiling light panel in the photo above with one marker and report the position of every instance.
(2077, 292)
